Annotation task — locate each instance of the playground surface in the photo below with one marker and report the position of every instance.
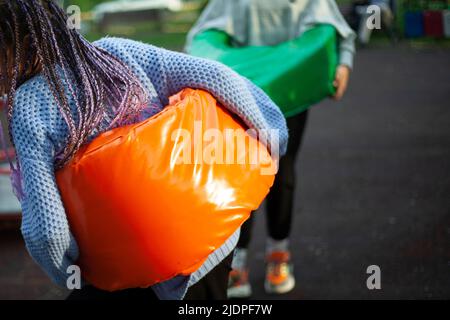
(374, 185)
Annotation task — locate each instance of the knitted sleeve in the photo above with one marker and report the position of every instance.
(236, 93)
(170, 72)
(44, 224)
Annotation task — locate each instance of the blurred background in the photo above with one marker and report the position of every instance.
(374, 171)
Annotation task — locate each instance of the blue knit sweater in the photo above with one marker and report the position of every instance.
(38, 131)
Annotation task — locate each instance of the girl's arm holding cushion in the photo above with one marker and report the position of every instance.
(44, 224)
(236, 93)
(169, 72)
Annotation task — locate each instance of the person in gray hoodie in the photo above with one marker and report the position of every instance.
(266, 23)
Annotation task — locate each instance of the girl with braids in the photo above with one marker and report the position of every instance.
(62, 91)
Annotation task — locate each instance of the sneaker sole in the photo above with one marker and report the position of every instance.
(285, 287)
(240, 292)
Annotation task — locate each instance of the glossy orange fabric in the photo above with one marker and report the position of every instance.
(140, 214)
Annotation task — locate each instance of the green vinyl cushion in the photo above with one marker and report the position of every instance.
(295, 74)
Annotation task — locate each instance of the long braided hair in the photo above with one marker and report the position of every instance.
(34, 38)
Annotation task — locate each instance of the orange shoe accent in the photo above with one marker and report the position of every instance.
(237, 277)
(139, 215)
(278, 267)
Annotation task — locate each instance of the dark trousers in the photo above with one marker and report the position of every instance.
(280, 200)
(213, 286)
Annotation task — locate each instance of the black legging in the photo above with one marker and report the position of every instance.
(281, 197)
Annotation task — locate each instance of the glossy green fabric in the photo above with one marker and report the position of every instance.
(295, 74)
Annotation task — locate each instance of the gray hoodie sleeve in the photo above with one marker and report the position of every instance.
(348, 36)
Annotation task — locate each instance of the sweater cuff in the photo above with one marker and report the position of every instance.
(346, 58)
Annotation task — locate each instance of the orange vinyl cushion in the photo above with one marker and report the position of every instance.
(141, 213)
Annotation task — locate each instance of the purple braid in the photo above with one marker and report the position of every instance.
(103, 90)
